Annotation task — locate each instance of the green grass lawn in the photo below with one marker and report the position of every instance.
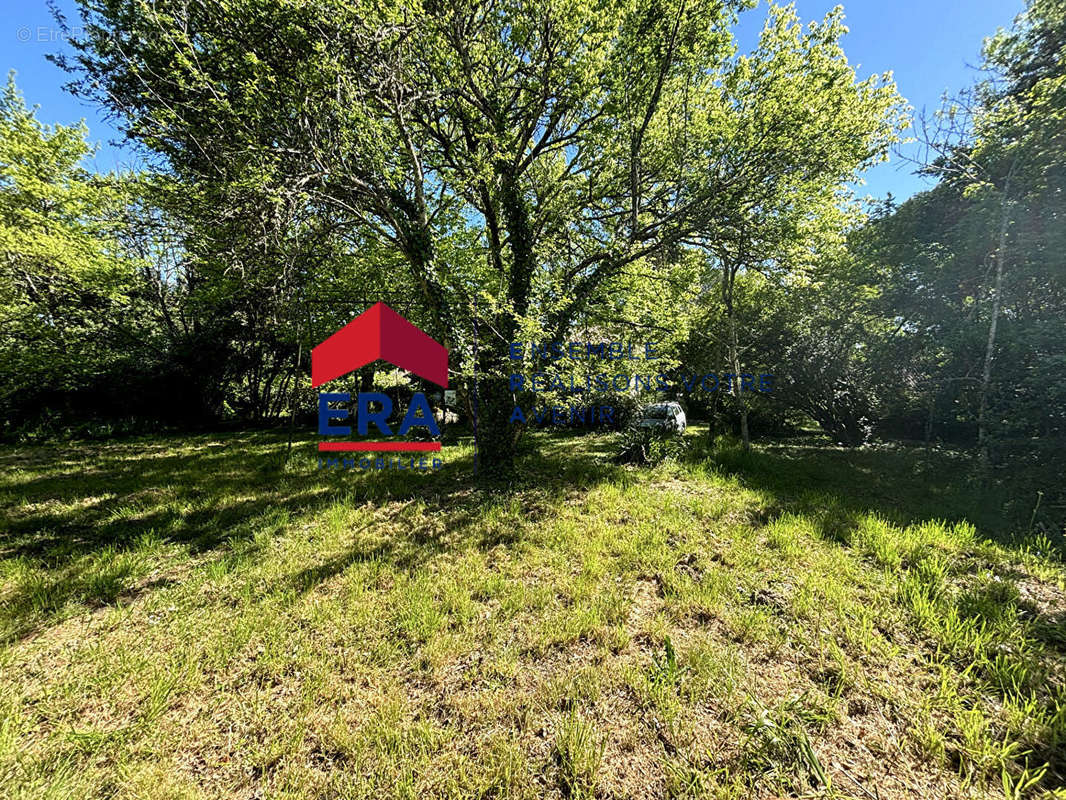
(182, 618)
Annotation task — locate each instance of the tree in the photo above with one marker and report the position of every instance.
(571, 140)
(999, 151)
(65, 283)
(804, 126)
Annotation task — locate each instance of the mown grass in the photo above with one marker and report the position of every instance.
(183, 618)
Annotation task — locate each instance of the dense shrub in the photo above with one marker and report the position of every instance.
(647, 447)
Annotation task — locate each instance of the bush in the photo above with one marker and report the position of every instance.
(646, 447)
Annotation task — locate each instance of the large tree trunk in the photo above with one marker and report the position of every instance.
(494, 403)
(496, 436)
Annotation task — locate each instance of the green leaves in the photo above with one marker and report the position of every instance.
(65, 273)
(53, 214)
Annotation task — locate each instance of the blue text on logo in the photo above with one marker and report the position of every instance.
(364, 415)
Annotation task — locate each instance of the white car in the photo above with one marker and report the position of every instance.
(663, 418)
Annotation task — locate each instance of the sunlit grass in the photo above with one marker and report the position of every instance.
(192, 618)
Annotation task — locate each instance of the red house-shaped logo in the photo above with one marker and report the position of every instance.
(379, 332)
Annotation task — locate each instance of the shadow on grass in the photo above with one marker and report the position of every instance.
(903, 485)
(988, 613)
(550, 469)
(77, 523)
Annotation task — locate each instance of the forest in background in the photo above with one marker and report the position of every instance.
(537, 172)
(850, 587)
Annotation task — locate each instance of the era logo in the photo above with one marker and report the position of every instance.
(419, 414)
(377, 333)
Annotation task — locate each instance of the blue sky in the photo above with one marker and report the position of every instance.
(932, 46)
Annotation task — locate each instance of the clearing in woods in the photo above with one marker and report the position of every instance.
(183, 619)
